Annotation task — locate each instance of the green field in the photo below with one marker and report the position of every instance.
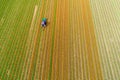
(15, 22)
(81, 40)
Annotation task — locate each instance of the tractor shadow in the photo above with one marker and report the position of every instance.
(47, 24)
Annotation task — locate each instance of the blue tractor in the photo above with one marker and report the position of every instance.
(44, 22)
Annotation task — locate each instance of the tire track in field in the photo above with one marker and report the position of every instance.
(44, 45)
(40, 40)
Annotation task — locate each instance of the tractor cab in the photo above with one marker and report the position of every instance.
(44, 22)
